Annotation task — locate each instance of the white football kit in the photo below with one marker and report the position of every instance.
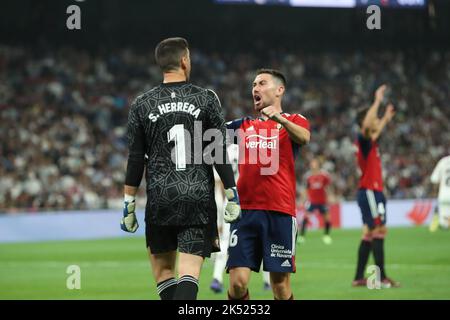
(441, 176)
(221, 257)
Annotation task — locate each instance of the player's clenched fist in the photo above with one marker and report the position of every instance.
(233, 208)
(129, 221)
(273, 114)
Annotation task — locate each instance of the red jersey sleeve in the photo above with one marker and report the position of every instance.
(300, 120)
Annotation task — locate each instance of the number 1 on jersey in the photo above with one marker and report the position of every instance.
(176, 133)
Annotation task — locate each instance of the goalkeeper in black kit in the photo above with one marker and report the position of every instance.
(180, 214)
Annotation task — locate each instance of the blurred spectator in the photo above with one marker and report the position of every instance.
(63, 116)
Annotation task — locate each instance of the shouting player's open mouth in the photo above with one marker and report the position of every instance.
(257, 100)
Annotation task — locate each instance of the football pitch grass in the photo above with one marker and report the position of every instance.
(119, 268)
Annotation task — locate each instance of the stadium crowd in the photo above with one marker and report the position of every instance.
(64, 111)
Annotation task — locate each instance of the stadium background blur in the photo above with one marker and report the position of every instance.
(64, 95)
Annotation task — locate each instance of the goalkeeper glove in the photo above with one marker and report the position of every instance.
(233, 208)
(129, 221)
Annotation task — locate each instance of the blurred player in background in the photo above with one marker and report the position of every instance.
(317, 182)
(441, 177)
(267, 230)
(370, 196)
(224, 228)
(181, 211)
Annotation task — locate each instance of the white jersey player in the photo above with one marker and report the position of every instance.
(224, 228)
(441, 176)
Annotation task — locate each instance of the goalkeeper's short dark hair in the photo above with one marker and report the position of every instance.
(275, 73)
(168, 53)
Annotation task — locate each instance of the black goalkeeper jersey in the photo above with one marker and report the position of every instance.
(166, 125)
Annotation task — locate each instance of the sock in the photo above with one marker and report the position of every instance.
(219, 264)
(327, 227)
(266, 276)
(303, 230)
(245, 297)
(187, 288)
(363, 257)
(378, 255)
(166, 289)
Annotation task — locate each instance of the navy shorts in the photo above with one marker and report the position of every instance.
(322, 208)
(373, 207)
(263, 236)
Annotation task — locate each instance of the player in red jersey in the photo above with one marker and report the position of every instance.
(317, 182)
(370, 197)
(267, 187)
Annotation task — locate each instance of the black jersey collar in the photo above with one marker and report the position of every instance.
(168, 84)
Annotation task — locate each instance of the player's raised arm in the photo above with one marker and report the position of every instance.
(388, 115)
(372, 114)
(135, 169)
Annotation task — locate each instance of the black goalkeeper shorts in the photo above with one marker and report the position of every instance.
(197, 240)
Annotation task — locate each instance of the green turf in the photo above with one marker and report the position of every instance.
(119, 269)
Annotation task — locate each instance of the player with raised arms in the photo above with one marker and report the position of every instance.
(371, 199)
